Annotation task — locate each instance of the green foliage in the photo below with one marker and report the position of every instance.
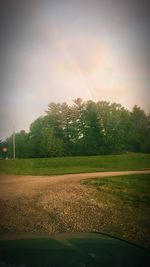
(21, 140)
(139, 130)
(43, 141)
(85, 128)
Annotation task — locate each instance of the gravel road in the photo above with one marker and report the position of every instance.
(54, 204)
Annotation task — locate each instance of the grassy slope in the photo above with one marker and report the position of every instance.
(126, 200)
(51, 166)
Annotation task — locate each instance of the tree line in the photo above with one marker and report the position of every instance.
(84, 128)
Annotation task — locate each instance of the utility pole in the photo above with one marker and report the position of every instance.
(14, 144)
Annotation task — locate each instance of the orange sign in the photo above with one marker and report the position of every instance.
(5, 149)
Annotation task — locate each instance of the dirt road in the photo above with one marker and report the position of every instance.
(53, 204)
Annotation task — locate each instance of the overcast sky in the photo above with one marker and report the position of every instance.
(61, 50)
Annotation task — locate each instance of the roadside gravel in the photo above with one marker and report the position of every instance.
(49, 205)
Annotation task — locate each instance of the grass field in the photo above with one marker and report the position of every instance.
(64, 165)
(126, 199)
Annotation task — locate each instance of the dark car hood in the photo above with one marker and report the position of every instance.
(89, 249)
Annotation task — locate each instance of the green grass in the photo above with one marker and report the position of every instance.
(126, 202)
(63, 165)
(134, 190)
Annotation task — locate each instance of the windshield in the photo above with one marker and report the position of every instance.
(75, 124)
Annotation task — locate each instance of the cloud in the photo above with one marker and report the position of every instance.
(58, 51)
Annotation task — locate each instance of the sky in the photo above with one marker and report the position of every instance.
(57, 51)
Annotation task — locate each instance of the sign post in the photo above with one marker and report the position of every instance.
(5, 149)
(14, 145)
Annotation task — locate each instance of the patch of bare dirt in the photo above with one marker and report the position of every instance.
(51, 205)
